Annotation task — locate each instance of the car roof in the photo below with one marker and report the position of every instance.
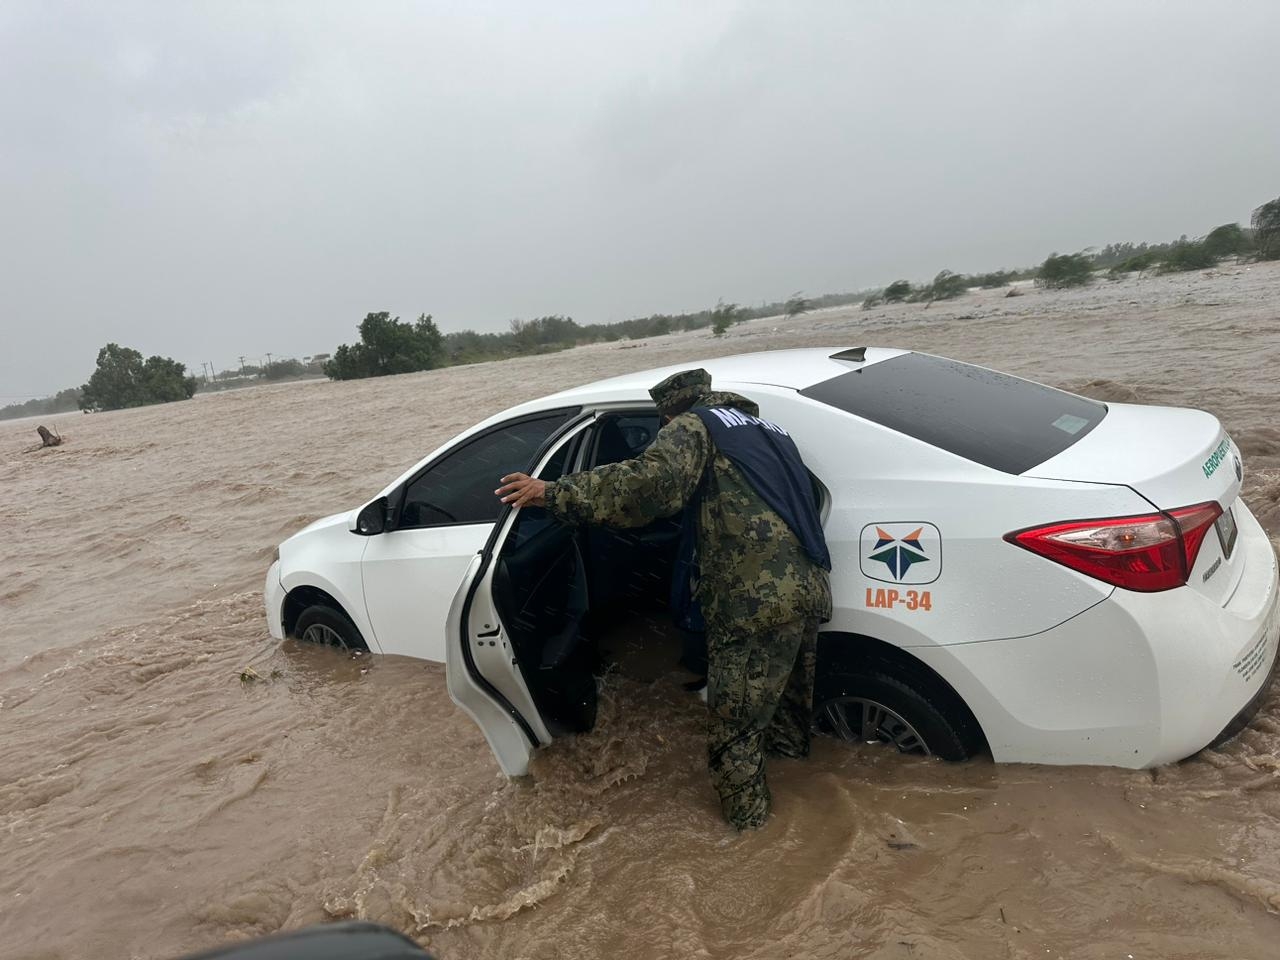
(792, 369)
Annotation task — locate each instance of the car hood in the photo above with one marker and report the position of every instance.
(337, 519)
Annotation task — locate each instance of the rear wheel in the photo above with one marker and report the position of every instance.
(905, 709)
(329, 627)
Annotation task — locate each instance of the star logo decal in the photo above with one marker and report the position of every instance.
(898, 553)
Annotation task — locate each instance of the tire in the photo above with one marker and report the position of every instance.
(324, 625)
(904, 708)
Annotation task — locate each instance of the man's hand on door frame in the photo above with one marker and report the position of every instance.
(522, 490)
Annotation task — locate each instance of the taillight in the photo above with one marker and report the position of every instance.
(1147, 553)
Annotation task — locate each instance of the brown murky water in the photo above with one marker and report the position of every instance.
(151, 803)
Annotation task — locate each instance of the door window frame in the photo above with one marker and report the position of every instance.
(588, 456)
(565, 414)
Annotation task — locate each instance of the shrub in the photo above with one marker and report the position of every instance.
(1227, 240)
(1266, 229)
(1135, 264)
(60, 402)
(1191, 255)
(947, 286)
(897, 291)
(991, 281)
(1065, 270)
(796, 305)
(724, 316)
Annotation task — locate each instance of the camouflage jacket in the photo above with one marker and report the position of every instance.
(754, 573)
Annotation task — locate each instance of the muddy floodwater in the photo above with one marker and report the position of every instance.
(152, 802)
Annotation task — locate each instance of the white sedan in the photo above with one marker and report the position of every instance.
(1017, 569)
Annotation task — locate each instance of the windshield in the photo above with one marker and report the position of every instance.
(994, 419)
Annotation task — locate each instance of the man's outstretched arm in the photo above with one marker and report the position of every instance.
(632, 493)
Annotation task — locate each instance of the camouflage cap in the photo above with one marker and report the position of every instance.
(680, 391)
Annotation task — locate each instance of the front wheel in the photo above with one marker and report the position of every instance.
(328, 627)
(870, 704)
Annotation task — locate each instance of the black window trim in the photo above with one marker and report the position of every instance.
(565, 415)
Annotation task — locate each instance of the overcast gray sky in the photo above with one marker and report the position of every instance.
(205, 180)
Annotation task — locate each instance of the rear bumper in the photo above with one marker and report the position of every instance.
(273, 598)
(1245, 716)
(1135, 681)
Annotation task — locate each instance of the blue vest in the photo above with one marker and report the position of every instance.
(768, 458)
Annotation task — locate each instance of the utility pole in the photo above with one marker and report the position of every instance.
(242, 366)
(268, 359)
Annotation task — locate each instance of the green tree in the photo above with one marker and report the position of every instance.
(60, 402)
(991, 281)
(283, 369)
(123, 379)
(724, 316)
(947, 286)
(1226, 241)
(797, 304)
(1065, 270)
(388, 346)
(897, 291)
(1266, 229)
(1187, 255)
(1135, 264)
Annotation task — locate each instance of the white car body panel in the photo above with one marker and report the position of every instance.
(510, 745)
(273, 593)
(410, 578)
(1132, 443)
(326, 556)
(1139, 680)
(896, 479)
(1056, 666)
(483, 636)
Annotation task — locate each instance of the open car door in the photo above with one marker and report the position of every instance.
(524, 675)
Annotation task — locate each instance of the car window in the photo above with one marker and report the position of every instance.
(555, 467)
(459, 487)
(624, 436)
(994, 419)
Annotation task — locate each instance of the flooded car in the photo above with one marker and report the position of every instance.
(1016, 569)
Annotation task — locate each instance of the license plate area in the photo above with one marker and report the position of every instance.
(1225, 525)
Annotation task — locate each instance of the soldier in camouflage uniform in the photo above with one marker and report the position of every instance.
(761, 594)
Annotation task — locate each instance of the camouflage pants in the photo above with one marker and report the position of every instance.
(760, 699)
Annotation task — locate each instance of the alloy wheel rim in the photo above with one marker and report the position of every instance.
(860, 720)
(320, 633)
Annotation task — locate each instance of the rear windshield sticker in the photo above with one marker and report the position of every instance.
(1069, 423)
(901, 552)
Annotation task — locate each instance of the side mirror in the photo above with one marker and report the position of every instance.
(372, 519)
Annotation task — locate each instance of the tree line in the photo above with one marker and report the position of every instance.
(1261, 240)
(387, 345)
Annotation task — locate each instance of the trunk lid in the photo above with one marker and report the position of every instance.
(1173, 458)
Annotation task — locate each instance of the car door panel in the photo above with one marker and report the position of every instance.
(444, 515)
(485, 676)
(410, 578)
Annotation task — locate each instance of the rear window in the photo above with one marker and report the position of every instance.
(991, 418)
